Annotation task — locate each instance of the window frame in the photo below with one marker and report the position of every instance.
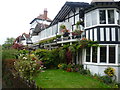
(106, 14)
(106, 54)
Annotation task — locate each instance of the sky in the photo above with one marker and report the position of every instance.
(16, 15)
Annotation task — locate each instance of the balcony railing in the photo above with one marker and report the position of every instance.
(55, 30)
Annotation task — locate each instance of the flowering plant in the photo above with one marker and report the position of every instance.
(62, 66)
(28, 64)
(77, 32)
(110, 71)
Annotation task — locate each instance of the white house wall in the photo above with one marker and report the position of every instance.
(99, 69)
(35, 39)
(23, 42)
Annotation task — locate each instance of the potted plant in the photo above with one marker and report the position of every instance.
(58, 37)
(64, 30)
(77, 33)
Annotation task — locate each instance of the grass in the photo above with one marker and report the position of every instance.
(62, 79)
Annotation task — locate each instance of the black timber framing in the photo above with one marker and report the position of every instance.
(116, 33)
(93, 34)
(67, 7)
(104, 34)
(98, 33)
(110, 33)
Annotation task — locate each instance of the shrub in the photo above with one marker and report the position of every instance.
(9, 54)
(27, 68)
(85, 72)
(106, 79)
(50, 58)
(62, 66)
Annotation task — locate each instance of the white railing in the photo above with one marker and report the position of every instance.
(55, 30)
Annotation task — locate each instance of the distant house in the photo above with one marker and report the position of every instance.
(38, 24)
(101, 22)
(21, 41)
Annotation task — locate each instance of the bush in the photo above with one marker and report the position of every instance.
(106, 79)
(62, 66)
(85, 72)
(50, 58)
(27, 68)
(9, 54)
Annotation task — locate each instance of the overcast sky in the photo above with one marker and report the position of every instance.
(15, 15)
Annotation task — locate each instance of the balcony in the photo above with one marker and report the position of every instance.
(58, 34)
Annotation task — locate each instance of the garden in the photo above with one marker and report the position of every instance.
(53, 68)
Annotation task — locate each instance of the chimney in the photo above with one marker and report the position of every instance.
(102, 0)
(45, 13)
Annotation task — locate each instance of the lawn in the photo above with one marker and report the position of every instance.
(62, 79)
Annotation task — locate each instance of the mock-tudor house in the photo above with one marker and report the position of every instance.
(101, 23)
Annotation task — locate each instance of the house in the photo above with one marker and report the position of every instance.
(21, 41)
(100, 22)
(39, 23)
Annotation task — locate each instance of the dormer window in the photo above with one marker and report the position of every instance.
(106, 17)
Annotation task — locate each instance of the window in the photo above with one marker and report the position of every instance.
(76, 18)
(110, 16)
(94, 54)
(112, 54)
(102, 17)
(88, 54)
(103, 51)
(106, 14)
(88, 20)
(118, 17)
(94, 17)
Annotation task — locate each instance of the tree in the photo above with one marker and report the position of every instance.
(8, 43)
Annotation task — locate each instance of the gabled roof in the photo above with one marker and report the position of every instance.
(40, 19)
(67, 7)
(24, 36)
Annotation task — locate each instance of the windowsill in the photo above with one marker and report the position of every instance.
(101, 64)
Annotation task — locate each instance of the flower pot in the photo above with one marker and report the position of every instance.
(66, 34)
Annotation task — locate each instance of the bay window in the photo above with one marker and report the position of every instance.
(104, 55)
